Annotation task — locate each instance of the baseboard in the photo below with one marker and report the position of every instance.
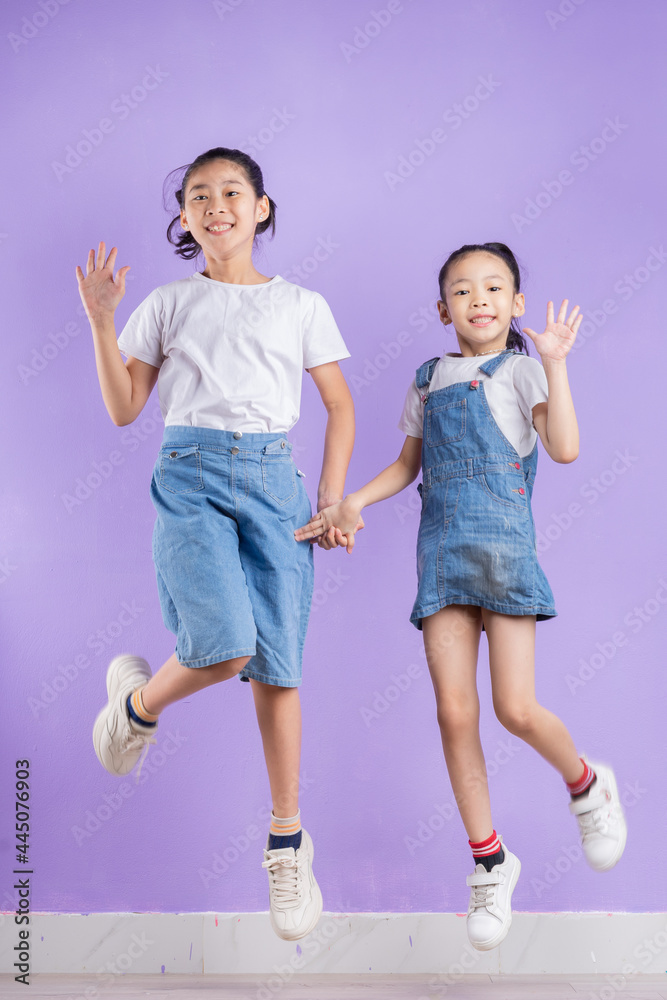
(108, 944)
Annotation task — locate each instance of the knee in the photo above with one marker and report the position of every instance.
(457, 714)
(518, 719)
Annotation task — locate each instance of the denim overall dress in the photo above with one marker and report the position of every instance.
(476, 542)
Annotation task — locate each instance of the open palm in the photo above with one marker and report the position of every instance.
(99, 292)
(556, 341)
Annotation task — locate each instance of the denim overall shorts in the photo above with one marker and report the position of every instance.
(476, 542)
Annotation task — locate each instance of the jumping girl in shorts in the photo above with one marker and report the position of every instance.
(227, 347)
(472, 421)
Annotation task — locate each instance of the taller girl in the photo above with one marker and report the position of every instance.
(472, 421)
(227, 347)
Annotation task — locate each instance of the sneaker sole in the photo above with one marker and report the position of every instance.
(502, 933)
(114, 682)
(622, 842)
(317, 895)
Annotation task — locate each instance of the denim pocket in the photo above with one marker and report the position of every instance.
(278, 479)
(446, 423)
(180, 469)
(505, 489)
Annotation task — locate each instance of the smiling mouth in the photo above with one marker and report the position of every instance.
(482, 320)
(221, 228)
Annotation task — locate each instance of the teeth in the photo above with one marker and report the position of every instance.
(483, 320)
(219, 229)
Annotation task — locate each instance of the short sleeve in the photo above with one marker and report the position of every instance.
(412, 418)
(142, 334)
(530, 383)
(322, 340)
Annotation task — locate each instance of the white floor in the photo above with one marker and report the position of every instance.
(332, 987)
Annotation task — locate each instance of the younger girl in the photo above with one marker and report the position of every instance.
(227, 346)
(472, 421)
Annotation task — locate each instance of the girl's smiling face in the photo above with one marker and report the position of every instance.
(479, 299)
(221, 209)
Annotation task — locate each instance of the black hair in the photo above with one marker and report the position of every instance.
(185, 243)
(515, 339)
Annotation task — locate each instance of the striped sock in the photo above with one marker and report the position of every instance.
(580, 787)
(285, 832)
(488, 852)
(137, 712)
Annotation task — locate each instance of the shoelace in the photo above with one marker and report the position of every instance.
(595, 821)
(285, 876)
(480, 896)
(133, 741)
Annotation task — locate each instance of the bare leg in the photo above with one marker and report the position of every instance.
(512, 662)
(173, 681)
(279, 719)
(451, 642)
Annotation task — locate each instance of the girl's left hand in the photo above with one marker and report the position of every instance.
(556, 341)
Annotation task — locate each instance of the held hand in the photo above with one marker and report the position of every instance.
(556, 341)
(335, 525)
(99, 292)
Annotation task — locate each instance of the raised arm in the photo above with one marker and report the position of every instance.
(345, 517)
(125, 387)
(555, 421)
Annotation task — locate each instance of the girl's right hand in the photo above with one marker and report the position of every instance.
(99, 292)
(344, 517)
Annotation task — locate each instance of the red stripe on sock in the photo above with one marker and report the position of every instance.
(584, 782)
(484, 848)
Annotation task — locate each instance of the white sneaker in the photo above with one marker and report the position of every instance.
(295, 897)
(490, 907)
(118, 740)
(601, 821)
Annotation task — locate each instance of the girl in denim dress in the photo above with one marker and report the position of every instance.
(227, 347)
(472, 422)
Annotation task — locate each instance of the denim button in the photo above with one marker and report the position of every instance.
(238, 434)
(173, 454)
(235, 450)
(282, 444)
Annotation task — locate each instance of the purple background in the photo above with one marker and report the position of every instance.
(347, 117)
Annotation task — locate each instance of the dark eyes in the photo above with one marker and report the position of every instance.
(464, 291)
(197, 196)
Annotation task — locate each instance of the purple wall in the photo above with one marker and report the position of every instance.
(389, 134)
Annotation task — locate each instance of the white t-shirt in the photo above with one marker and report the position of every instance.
(231, 356)
(518, 385)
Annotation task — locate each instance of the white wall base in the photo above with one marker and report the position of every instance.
(236, 943)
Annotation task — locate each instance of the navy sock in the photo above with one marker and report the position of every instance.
(137, 718)
(490, 860)
(292, 840)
